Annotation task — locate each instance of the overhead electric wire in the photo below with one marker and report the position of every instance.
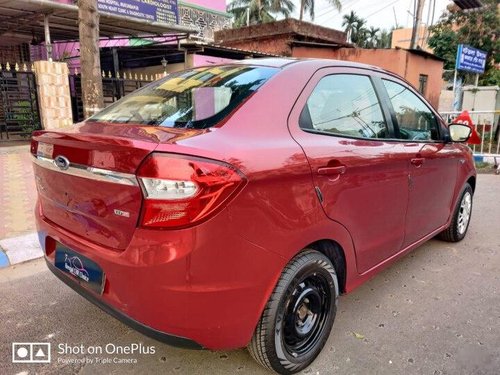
(381, 9)
(343, 9)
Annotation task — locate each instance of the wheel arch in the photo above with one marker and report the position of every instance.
(334, 241)
(333, 251)
(472, 182)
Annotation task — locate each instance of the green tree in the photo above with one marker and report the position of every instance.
(372, 37)
(478, 29)
(359, 33)
(355, 29)
(384, 41)
(349, 21)
(259, 11)
(308, 5)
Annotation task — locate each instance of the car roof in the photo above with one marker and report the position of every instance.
(314, 64)
(281, 62)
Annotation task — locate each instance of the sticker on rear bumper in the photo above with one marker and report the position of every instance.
(85, 271)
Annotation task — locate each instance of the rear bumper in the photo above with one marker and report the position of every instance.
(202, 287)
(177, 341)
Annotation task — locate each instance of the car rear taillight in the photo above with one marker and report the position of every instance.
(181, 191)
(33, 147)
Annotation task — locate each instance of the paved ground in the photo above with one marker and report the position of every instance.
(17, 187)
(437, 311)
(18, 242)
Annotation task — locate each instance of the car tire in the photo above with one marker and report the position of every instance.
(298, 316)
(461, 217)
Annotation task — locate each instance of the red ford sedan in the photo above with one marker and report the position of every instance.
(229, 206)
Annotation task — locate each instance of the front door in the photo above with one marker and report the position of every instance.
(359, 171)
(433, 163)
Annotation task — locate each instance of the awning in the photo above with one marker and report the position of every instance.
(21, 19)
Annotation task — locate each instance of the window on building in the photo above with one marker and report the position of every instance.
(415, 120)
(345, 105)
(422, 83)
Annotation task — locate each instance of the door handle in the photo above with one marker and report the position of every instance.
(417, 162)
(338, 170)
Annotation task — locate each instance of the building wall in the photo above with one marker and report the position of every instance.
(218, 5)
(433, 68)
(404, 63)
(299, 29)
(202, 60)
(278, 45)
(402, 37)
(277, 37)
(13, 54)
(486, 98)
(207, 16)
(446, 99)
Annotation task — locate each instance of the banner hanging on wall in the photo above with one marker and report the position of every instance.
(165, 11)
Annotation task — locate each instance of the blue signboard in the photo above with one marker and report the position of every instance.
(470, 59)
(165, 11)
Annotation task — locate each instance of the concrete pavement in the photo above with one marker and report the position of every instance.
(17, 201)
(436, 311)
(18, 192)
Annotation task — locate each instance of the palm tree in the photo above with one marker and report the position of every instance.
(259, 11)
(384, 41)
(308, 5)
(358, 35)
(372, 37)
(349, 21)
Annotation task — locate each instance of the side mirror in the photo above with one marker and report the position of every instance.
(459, 132)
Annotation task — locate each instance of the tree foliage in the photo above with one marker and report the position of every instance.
(362, 36)
(309, 5)
(262, 11)
(478, 29)
(259, 11)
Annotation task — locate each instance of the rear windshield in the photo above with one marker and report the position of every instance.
(197, 98)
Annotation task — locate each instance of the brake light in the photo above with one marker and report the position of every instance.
(33, 147)
(180, 191)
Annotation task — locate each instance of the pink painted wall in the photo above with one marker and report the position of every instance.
(201, 60)
(219, 5)
(72, 49)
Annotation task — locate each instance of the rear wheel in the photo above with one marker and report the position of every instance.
(298, 317)
(461, 217)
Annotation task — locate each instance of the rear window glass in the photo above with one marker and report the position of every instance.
(196, 98)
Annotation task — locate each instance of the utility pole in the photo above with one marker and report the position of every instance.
(395, 18)
(88, 22)
(416, 23)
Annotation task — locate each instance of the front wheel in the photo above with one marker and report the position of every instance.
(299, 315)
(461, 217)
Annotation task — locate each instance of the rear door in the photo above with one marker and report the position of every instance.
(359, 172)
(433, 163)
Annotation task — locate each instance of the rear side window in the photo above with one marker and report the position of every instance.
(345, 105)
(416, 121)
(197, 98)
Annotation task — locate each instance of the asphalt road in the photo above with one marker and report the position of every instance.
(436, 311)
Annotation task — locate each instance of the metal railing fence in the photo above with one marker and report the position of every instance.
(487, 125)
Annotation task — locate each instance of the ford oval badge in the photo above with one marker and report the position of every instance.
(61, 162)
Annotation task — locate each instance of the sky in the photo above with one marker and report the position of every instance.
(377, 13)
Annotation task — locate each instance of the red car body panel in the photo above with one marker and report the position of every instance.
(209, 283)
